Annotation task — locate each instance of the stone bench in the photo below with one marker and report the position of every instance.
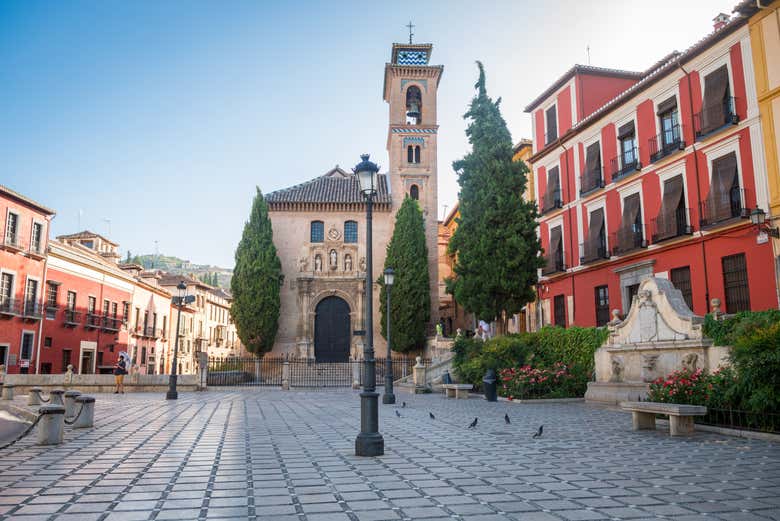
(680, 416)
(457, 390)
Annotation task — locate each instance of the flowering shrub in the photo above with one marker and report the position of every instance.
(539, 382)
(695, 388)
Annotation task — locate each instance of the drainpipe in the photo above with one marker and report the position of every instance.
(571, 247)
(698, 186)
(43, 298)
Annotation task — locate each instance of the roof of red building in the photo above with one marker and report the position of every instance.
(581, 69)
(26, 200)
(651, 76)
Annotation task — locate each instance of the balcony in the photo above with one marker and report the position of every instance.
(111, 324)
(714, 119)
(11, 243)
(10, 307)
(628, 239)
(557, 266)
(94, 321)
(32, 310)
(550, 136)
(71, 318)
(591, 181)
(147, 331)
(551, 202)
(665, 144)
(625, 164)
(724, 209)
(600, 253)
(676, 225)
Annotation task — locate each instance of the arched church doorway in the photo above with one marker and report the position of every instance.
(331, 330)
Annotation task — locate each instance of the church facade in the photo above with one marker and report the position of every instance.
(319, 226)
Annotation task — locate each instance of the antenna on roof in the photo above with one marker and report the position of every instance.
(587, 53)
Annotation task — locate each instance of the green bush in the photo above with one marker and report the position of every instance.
(726, 332)
(756, 358)
(542, 351)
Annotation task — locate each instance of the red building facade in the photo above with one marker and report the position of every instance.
(25, 235)
(653, 173)
(87, 305)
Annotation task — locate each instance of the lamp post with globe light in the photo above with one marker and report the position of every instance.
(388, 397)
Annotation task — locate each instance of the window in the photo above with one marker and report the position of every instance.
(51, 297)
(552, 193)
(410, 154)
(47, 341)
(681, 279)
(165, 324)
(413, 105)
(596, 245)
(631, 292)
(317, 231)
(551, 117)
(417, 154)
(36, 237)
(717, 104)
(592, 178)
(65, 359)
(629, 156)
(724, 200)
(106, 307)
(735, 283)
(630, 236)
(414, 192)
(91, 303)
(27, 346)
(31, 297)
(12, 229)
(143, 356)
(555, 254)
(71, 300)
(350, 231)
(672, 220)
(670, 129)
(125, 312)
(601, 294)
(6, 288)
(113, 309)
(559, 310)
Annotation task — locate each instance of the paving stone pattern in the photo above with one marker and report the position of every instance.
(289, 456)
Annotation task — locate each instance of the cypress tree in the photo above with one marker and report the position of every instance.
(256, 280)
(495, 244)
(410, 306)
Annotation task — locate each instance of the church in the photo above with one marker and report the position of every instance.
(319, 226)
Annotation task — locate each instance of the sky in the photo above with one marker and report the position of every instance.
(152, 122)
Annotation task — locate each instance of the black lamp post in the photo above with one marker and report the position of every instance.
(758, 218)
(369, 442)
(388, 397)
(180, 299)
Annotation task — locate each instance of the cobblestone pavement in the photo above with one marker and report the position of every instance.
(284, 456)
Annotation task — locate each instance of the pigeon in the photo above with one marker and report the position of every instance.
(432, 416)
(403, 404)
(538, 433)
(506, 419)
(398, 414)
(473, 424)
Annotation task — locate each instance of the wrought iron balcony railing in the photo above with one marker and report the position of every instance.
(625, 164)
(666, 143)
(599, 253)
(663, 228)
(71, 317)
(557, 266)
(727, 206)
(628, 239)
(714, 118)
(591, 181)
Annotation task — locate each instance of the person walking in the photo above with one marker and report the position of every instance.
(120, 370)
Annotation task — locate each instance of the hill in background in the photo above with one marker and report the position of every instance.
(205, 272)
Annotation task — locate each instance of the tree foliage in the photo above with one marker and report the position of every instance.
(410, 298)
(256, 282)
(495, 244)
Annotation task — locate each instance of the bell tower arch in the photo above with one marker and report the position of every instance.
(410, 89)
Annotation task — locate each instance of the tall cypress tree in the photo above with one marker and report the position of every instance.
(495, 244)
(410, 306)
(256, 280)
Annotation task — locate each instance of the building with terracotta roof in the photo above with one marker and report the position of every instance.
(318, 226)
(653, 174)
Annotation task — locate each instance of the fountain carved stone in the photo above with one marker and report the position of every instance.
(659, 335)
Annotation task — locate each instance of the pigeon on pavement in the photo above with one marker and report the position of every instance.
(403, 405)
(538, 433)
(432, 416)
(506, 419)
(473, 424)
(398, 414)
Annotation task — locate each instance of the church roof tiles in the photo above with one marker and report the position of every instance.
(335, 187)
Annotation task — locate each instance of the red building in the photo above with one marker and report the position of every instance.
(25, 229)
(87, 304)
(653, 173)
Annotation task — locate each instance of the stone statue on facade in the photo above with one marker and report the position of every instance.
(649, 363)
(347, 262)
(690, 362)
(317, 263)
(334, 259)
(617, 369)
(362, 264)
(303, 263)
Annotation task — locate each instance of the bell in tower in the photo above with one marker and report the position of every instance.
(413, 106)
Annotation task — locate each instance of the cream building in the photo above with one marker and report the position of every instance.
(319, 226)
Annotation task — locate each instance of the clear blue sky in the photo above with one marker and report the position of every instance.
(163, 116)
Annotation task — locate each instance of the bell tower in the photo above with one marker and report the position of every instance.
(410, 89)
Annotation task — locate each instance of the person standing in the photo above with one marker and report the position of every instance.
(120, 370)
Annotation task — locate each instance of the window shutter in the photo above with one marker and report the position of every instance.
(724, 177)
(592, 167)
(552, 124)
(667, 105)
(626, 130)
(595, 228)
(555, 245)
(716, 86)
(553, 191)
(666, 224)
(626, 233)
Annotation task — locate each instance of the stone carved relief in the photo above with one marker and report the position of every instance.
(690, 362)
(649, 363)
(347, 262)
(303, 264)
(334, 234)
(617, 369)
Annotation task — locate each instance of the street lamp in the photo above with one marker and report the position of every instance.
(388, 397)
(180, 299)
(758, 218)
(369, 442)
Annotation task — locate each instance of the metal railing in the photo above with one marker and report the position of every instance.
(591, 181)
(10, 306)
(727, 206)
(303, 372)
(712, 119)
(147, 331)
(625, 164)
(549, 137)
(600, 253)
(94, 321)
(32, 310)
(557, 266)
(666, 143)
(742, 420)
(663, 228)
(71, 317)
(550, 203)
(112, 324)
(628, 238)
(12, 242)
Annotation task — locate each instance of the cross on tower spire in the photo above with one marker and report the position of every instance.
(410, 26)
